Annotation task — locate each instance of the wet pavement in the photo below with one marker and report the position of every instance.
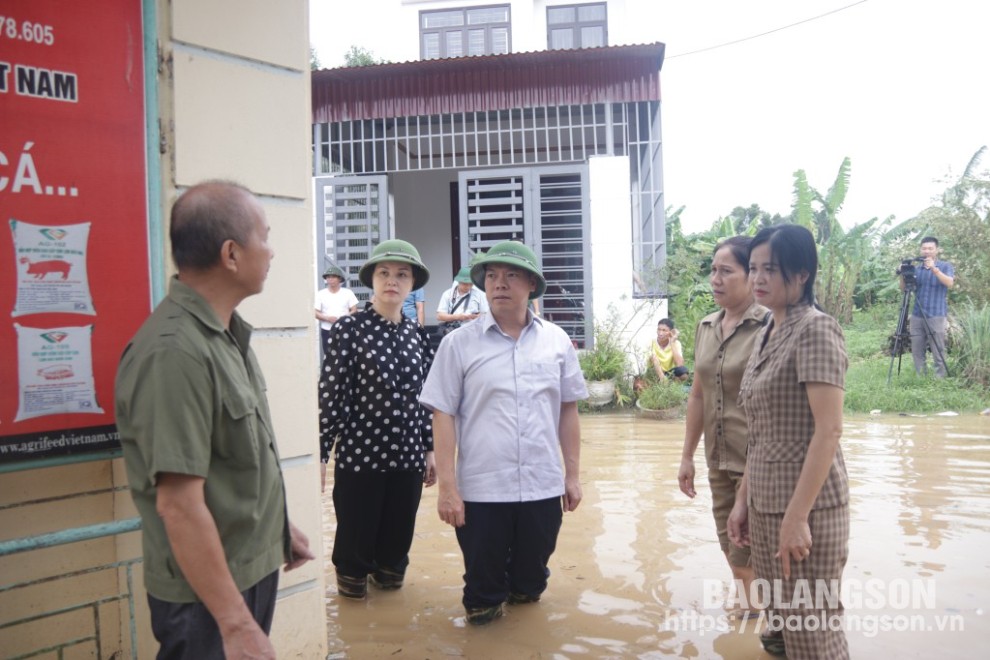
(638, 572)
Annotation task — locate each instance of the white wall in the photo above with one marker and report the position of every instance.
(528, 20)
(236, 101)
(611, 257)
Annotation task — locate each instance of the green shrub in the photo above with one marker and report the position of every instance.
(974, 343)
(870, 332)
(968, 363)
(867, 388)
(661, 396)
(607, 360)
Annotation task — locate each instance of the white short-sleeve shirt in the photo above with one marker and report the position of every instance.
(505, 396)
(334, 304)
(476, 304)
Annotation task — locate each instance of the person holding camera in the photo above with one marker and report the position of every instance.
(460, 303)
(928, 318)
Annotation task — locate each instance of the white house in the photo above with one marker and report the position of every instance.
(524, 119)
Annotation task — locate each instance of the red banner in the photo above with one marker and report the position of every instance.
(74, 275)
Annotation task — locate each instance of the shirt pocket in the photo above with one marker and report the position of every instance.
(544, 376)
(546, 369)
(238, 428)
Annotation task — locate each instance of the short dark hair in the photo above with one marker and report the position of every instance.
(793, 248)
(739, 247)
(205, 216)
(667, 322)
(929, 239)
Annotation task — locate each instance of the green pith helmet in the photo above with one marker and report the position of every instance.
(510, 253)
(334, 271)
(399, 251)
(463, 275)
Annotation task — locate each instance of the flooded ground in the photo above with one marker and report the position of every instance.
(634, 561)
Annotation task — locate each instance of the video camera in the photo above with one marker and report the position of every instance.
(908, 271)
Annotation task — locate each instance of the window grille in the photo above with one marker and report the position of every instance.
(517, 137)
(546, 208)
(353, 220)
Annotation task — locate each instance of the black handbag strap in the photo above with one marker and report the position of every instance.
(464, 299)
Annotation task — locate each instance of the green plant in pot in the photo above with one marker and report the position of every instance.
(663, 400)
(602, 365)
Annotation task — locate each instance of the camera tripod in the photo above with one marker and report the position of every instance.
(902, 334)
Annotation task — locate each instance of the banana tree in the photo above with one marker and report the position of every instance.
(818, 212)
(841, 254)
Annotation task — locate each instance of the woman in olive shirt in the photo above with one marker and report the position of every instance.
(722, 345)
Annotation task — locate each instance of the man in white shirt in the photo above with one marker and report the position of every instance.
(460, 303)
(504, 392)
(333, 302)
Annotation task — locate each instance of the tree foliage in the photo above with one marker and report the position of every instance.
(314, 59)
(748, 220)
(842, 255)
(358, 56)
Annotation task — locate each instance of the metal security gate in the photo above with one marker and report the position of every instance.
(562, 229)
(547, 209)
(494, 208)
(352, 218)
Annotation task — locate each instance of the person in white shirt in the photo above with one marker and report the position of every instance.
(460, 303)
(504, 391)
(333, 302)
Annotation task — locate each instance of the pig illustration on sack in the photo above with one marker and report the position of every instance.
(39, 269)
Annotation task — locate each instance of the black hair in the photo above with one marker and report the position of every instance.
(929, 239)
(203, 218)
(739, 247)
(667, 322)
(793, 248)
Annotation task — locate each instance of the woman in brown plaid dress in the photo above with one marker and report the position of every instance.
(793, 505)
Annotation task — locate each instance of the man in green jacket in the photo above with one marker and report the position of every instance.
(197, 439)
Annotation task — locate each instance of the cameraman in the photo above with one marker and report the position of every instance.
(934, 279)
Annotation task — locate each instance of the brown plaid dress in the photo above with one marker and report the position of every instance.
(808, 347)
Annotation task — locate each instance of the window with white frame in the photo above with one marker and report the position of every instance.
(466, 31)
(577, 26)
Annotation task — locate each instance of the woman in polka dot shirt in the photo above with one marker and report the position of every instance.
(374, 368)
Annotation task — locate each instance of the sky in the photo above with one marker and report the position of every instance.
(895, 85)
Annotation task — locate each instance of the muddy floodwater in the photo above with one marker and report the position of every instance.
(638, 572)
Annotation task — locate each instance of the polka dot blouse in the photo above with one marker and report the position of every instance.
(372, 374)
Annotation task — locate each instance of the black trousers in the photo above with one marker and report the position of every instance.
(506, 547)
(376, 518)
(187, 631)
